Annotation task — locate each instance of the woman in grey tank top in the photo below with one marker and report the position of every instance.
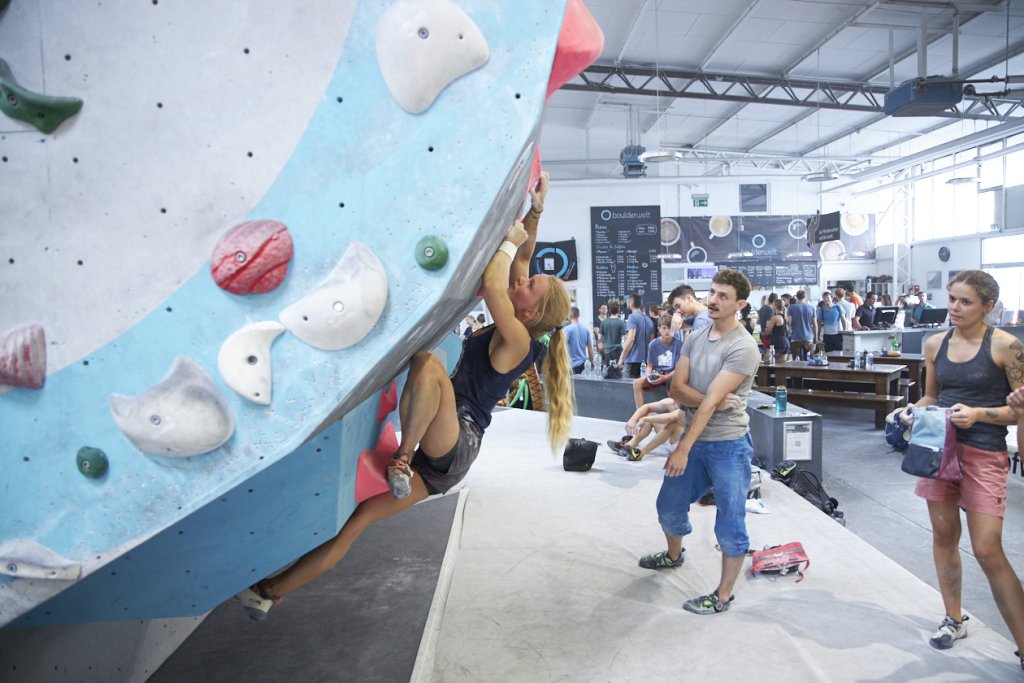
(971, 369)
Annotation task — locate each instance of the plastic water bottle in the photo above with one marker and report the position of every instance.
(869, 360)
(771, 355)
(643, 369)
(587, 370)
(781, 399)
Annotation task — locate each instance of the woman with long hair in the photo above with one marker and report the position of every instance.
(971, 369)
(443, 418)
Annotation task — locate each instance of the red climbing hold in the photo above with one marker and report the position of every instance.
(579, 44)
(388, 401)
(252, 257)
(23, 358)
(371, 471)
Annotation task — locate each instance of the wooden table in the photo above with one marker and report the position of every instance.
(883, 379)
(914, 363)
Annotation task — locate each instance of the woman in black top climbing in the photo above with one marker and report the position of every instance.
(971, 369)
(442, 418)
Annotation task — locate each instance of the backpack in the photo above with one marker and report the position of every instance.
(780, 560)
(807, 485)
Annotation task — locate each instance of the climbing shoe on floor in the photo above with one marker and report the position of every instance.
(661, 560)
(616, 447)
(708, 604)
(948, 631)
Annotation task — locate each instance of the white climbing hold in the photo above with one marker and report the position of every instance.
(28, 559)
(424, 45)
(346, 305)
(185, 414)
(244, 360)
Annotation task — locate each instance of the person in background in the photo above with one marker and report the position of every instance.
(849, 310)
(865, 317)
(467, 332)
(639, 332)
(915, 307)
(778, 332)
(662, 354)
(764, 314)
(612, 331)
(995, 318)
(787, 299)
(854, 298)
(578, 342)
(664, 418)
(831, 321)
(444, 417)
(801, 322)
(746, 318)
(712, 381)
(684, 302)
(974, 370)
(602, 313)
(886, 300)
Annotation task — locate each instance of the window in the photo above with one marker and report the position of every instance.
(754, 198)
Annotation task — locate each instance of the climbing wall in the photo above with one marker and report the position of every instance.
(225, 258)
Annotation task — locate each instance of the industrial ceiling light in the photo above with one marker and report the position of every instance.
(963, 180)
(657, 156)
(819, 176)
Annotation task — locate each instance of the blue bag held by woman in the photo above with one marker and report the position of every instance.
(932, 451)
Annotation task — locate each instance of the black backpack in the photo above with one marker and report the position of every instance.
(807, 485)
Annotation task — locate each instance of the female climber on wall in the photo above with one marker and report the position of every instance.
(446, 417)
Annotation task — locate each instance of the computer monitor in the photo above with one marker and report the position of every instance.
(933, 316)
(885, 316)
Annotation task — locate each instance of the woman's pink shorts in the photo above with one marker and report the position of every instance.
(983, 488)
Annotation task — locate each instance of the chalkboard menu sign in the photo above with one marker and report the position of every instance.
(626, 241)
(778, 273)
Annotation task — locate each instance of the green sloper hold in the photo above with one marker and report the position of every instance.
(3, 5)
(45, 112)
(431, 253)
(92, 462)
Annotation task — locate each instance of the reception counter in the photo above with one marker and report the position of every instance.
(912, 339)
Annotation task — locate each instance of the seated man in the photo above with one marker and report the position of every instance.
(662, 354)
(663, 417)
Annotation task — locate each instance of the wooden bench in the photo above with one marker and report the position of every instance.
(880, 403)
(906, 386)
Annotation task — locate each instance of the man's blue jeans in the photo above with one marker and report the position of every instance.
(724, 465)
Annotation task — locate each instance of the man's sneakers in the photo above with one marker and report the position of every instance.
(400, 476)
(257, 602)
(661, 560)
(633, 454)
(949, 631)
(708, 604)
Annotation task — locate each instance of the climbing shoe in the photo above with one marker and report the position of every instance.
(948, 631)
(257, 602)
(633, 454)
(616, 446)
(708, 604)
(661, 560)
(400, 476)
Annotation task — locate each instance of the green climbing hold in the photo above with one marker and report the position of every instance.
(431, 253)
(92, 462)
(3, 5)
(45, 112)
